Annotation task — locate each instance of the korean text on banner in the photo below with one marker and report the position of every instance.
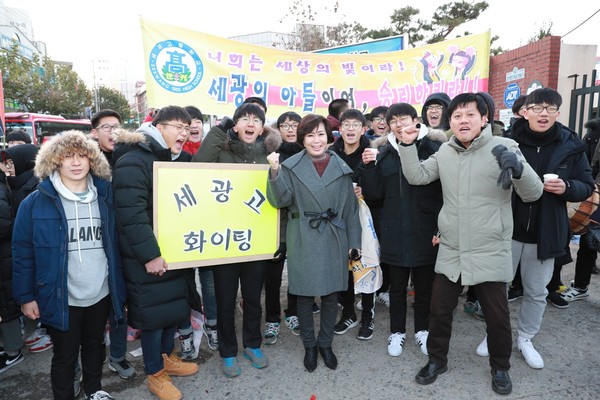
(189, 67)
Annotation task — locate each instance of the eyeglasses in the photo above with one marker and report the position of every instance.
(286, 127)
(538, 109)
(435, 107)
(179, 128)
(353, 125)
(109, 127)
(378, 119)
(246, 120)
(405, 120)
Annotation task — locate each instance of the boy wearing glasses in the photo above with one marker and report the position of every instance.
(435, 111)
(408, 224)
(541, 229)
(350, 147)
(104, 124)
(379, 127)
(243, 143)
(158, 297)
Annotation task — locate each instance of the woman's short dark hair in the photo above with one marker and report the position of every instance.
(292, 116)
(311, 122)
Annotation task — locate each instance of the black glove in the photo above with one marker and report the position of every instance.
(510, 165)
(355, 254)
(592, 237)
(226, 124)
(280, 253)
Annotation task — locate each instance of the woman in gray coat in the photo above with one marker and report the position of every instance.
(323, 230)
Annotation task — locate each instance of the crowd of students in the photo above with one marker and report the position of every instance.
(455, 202)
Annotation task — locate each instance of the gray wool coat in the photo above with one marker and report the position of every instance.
(317, 245)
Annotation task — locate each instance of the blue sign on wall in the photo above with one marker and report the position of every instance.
(393, 43)
(511, 93)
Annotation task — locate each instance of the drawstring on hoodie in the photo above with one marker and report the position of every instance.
(77, 226)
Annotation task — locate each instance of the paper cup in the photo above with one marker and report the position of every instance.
(550, 176)
(373, 151)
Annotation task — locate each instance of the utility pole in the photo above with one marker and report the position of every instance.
(96, 105)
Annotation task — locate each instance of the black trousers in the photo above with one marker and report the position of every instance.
(347, 301)
(86, 329)
(307, 322)
(228, 278)
(273, 273)
(422, 278)
(585, 263)
(493, 299)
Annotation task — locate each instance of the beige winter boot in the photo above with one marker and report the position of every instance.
(162, 386)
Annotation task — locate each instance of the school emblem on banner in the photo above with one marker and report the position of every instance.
(175, 66)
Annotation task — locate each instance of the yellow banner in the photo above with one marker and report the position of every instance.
(209, 214)
(185, 67)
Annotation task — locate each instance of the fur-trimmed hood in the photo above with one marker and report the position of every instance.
(435, 135)
(272, 139)
(125, 141)
(52, 153)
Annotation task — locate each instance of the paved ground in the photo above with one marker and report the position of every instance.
(569, 343)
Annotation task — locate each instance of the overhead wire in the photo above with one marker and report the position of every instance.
(587, 19)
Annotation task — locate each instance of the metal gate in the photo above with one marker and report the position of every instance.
(584, 103)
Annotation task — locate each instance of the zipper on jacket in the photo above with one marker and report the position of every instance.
(531, 205)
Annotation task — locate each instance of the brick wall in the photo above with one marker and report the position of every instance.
(540, 61)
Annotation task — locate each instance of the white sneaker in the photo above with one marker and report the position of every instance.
(482, 349)
(384, 297)
(421, 341)
(530, 354)
(396, 344)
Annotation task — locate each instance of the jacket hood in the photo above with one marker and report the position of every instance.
(22, 155)
(52, 153)
(435, 135)
(440, 98)
(151, 130)
(272, 139)
(593, 125)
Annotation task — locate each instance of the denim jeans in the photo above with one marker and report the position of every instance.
(154, 345)
(118, 336)
(209, 301)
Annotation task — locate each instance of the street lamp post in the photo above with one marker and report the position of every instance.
(96, 96)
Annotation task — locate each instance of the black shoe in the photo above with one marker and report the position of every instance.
(366, 329)
(514, 294)
(7, 361)
(501, 383)
(310, 358)
(344, 324)
(556, 300)
(428, 374)
(329, 358)
(315, 308)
